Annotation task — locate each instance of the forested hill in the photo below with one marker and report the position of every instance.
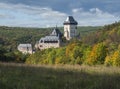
(96, 48)
(98, 45)
(109, 34)
(10, 37)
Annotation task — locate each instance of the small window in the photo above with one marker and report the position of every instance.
(41, 41)
(41, 46)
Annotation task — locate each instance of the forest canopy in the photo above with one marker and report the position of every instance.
(98, 45)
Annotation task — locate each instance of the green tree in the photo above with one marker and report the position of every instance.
(51, 56)
(2, 54)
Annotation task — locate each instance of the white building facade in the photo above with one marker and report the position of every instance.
(48, 42)
(25, 48)
(51, 41)
(70, 28)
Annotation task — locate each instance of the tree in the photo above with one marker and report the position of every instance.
(97, 55)
(51, 56)
(108, 60)
(2, 54)
(116, 58)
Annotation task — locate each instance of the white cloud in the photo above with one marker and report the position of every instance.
(31, 9)
(6, 16)
(34, 16)
(93, 16)
(76, 10)
(2, 16)
(40, 15)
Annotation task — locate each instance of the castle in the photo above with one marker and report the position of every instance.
(54, 39)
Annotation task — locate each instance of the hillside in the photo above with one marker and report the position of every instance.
(12, 36)
(109, 34)
(96, 48)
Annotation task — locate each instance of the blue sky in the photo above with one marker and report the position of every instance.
(45, 13)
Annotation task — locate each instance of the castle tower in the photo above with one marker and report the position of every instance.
(70, 28)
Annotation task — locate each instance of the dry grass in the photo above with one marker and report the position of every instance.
(22, 76)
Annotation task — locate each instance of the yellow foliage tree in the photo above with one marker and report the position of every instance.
(108, 60)
(69, 49)
(97, 55)
(116, 58)
(113, 59)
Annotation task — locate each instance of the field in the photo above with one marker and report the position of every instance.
(22, 76)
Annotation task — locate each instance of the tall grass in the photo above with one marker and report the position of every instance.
(21, 76)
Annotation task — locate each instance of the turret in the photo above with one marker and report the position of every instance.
(70, 28)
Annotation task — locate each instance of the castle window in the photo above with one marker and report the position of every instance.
(53, 41)
(46, 41)
(41, 41)
(41, 46)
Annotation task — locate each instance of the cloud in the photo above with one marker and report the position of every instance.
(6, 16)
(30, 9)
(2, 16)
(31, 15)
(42, 16)
(94, 16)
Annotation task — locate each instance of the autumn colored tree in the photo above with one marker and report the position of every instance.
(51, 56)
(113, 59)
(108, 60)
(116, 58)
(97, 55)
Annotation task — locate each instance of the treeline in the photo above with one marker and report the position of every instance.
(11, 37)
(101, 47)
(77, 53)
(12, 56)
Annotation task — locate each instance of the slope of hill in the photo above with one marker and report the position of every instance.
(109, 34)
(12, 36)
(100, 47)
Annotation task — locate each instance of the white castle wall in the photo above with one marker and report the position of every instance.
(70, 31)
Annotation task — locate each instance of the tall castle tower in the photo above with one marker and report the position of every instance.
(70, 28)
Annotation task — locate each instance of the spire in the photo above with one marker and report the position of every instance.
(56, 32)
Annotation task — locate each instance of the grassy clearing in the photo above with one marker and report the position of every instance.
(21, 76)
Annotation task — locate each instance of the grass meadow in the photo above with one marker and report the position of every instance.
(22, 76)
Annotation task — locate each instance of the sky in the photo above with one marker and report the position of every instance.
(49, 13)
